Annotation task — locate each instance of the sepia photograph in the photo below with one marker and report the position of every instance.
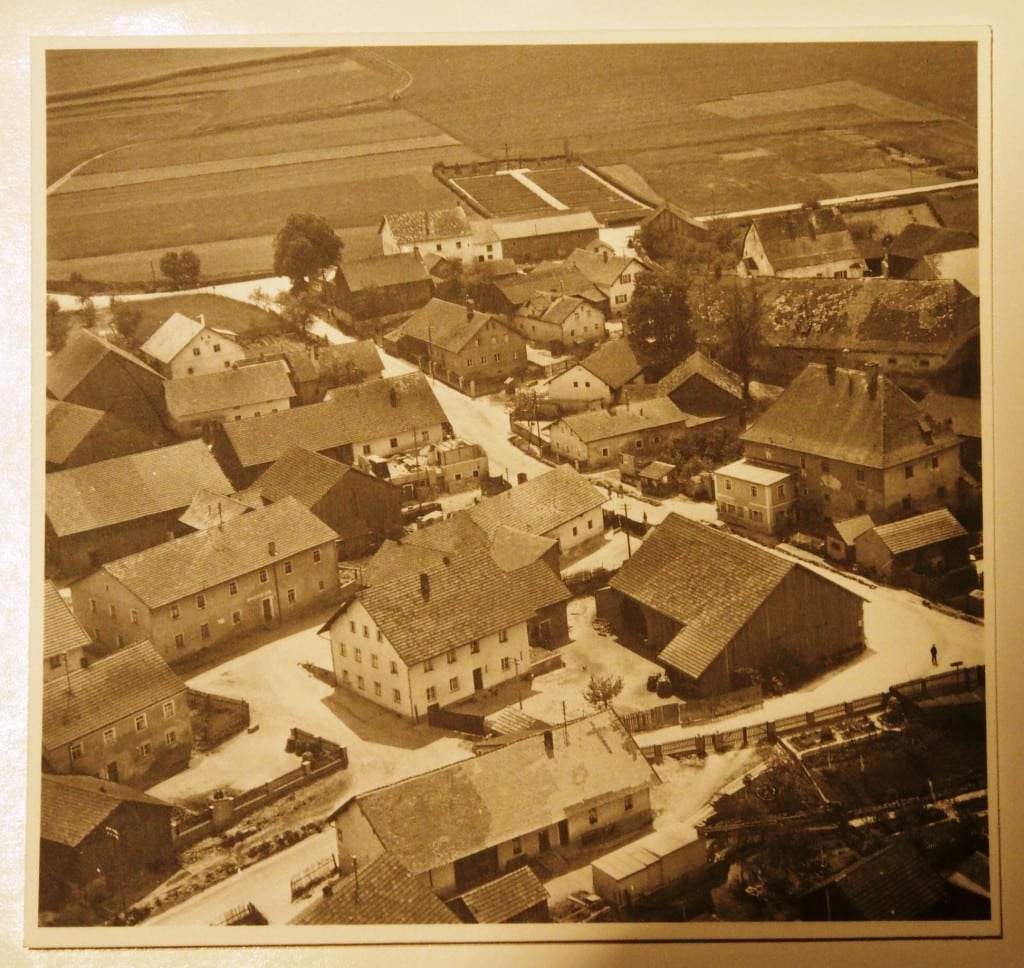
(535, 486)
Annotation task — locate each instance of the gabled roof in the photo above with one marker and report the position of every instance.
(697, 364)
(382, 892)
(67, 425)
(468, 598)
(505, 897)
(302, 474)
(961, 414)
(361, 355)
(656, 470)
(512, 549)
(379, 271)
(104, 435)
(62, 632)
(709, 582)
(425, 226)
(920, 531)
(916, 241)
(852, 424)
(961, 266)
(435, 818)
(244, 386)
(300, 364)
(128, 488)
(211, 508)
(446, 325)
(795, 240)
(650, 414)
(90, 699)
(551, 307)
(677, 212)
(72, 807)
(67, 368)
(539, 505)
(560, 279)
(753, 472)
(205, 559)
(601, 268)
(635, 857)
(852, 528)
(383, 408)
(527, 227)
(614, 362)
(174, 334)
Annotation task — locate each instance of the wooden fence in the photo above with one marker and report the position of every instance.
(241, 914)
(218, 717)
(696, 710)
(313, 875)
(459, 722)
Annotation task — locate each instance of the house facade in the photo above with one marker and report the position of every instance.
(756, 497)
(197, 592)
(702, 386)
(188, 347)
(613, 275)
(382, 285)
(123, 718)
(535, 239)
(65, 641)
(446, 232)
(578, 389)
(556, 318)
(811, 242)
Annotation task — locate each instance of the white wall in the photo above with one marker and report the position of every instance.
(208, 360)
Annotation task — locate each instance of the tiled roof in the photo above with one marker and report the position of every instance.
(962, 413)
(468, 598)
(210, 508)
(174, 334)
(383, 270)
(67, 368)
(956, 209)
(129, 488)
(205, 559)
(615, 362)
(850, 423)
(386, 893)
(61, 630)
(601, 268)
(104, 435)
(361, 355)
(561, 279)
(678, 213)
(72, 807)
(973, 875)
(67, 425)
(896, 884)
(300, 364)
(524, 228)
(446, 325)
(852, 528)
(697, 364)
(435, 818)
(755, 473)
(302, 474)
(539, 505)
(709, 582)
(552, 308)
(505, 897)
(110, 689)
(656, 470)
(387, 407)
(512, 549)
(221, 390)
(440, 223)
(916, 241)
(594, 425)
(920, 531)
(794, 240)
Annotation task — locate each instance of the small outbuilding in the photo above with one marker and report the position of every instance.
(516, 898)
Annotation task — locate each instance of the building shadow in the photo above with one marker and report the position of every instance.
(374, 724)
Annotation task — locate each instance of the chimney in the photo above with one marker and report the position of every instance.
(424, 585)
(272, 548)
(605, 256)
(393, 396)
(871, 369)
(328, 890)
(830, 369)
(470, 309)
(521, 477)
(201, 319)
(549, 742)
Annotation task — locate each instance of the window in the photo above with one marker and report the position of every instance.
(604, 451)
(288, 567)
(860, 475)
(55, 661)
(145, 749)
(358, 655)
(620, 299)
(112, 611)
(366, 449)
(940, 491)
(195, 350)
(232, 588)
(264, 577)
(935, 463)
(576, 384)
(428, 665)
(908, 471)
(781, 490)
(497, 357)
(204, 631)
(200, 601)
(452, 657)
(590, 525)
(425, 435)
(320, 584)
(374, 661)
(586, 383)
(236, 618)
(360, 683)
(396, 695)
(728, 484)
(453, 684)
(92, 605)
(924, 364)
(593, 816)
(366, 631)
(168, 709)
(376, 688)
(490, 247)
(192, 370)
(503, 635)
(639, 445)
(394, 668)
(109, 736)
(431, 694)
(291, 596)
(120, 640)
(803, 462)
(506, 663)
(352, 627)
(906, 504)
(75, 751)
(756, 515)
(171, 737)
(316, 556)
(825, 467)
(629, 801)
(345, 677)
(474, 647)
(753, 491)
(517, 846)
(341, 649)
(216, 347)
(458, 243)
(179, 640)
(380, 635)
(140, 722)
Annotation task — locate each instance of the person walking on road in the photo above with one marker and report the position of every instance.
(935, 655)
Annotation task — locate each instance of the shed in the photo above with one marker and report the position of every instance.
(515, 898)
(658, 478)
(841, 537)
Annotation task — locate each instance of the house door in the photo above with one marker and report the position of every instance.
(563, 831)
(544, 839)
(478, 679)
(111, 771)
(268, 610)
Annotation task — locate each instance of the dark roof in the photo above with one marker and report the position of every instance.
(205, 559)
(560, 279)
(435, 818)
(382, 892)
(795, 240)
(505, 897)
(381, 408)
(383, 270)
(61, 630)
(601, 268)
(917, 240)
(302, 474)
(446, 325)
(468, 598)
(360, 355)
(439, 223)
(956, 209)
(881, 429)
(709, 582)
(972, 875)
(896, 884)
(128, 488)
(223, 389)
(68, 367)
(697, 364)
(90, 435)
(961, 414)
(72, 807)
(677, 212)
(67, 425)
(614, 362)
(539, 505)
(920, 531)
(648, 414)
(110, 689)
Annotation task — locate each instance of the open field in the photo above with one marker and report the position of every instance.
(576, 188)
(242, 318)
(501, 194)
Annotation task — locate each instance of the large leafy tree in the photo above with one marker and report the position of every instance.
(303, 248)
(182, 268)
(602, 690)
(125, 318)
(742, 335)
(658, 320)
(57, 325)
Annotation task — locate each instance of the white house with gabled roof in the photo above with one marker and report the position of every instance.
(183, 346)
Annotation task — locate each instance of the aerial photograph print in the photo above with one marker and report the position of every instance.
(533, 486)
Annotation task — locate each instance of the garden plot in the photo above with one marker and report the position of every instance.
(501, 194)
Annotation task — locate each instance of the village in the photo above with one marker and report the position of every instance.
(573, 557)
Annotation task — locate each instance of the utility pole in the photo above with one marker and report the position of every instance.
(114, 834)
(625, 527)
(519, 683)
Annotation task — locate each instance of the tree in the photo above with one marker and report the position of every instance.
(303, 248)
(87, 312)
(658, 320)
(182, 268)
(57, 326)
(601, 690)
(742, 330)
(298, 310)
(125, 319)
